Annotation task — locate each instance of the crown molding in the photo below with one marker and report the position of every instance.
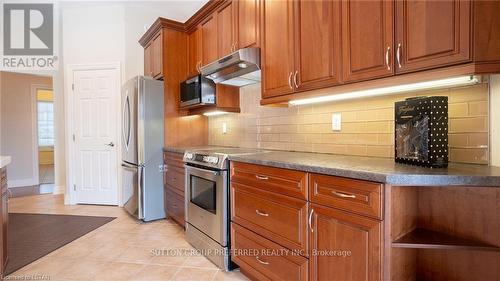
(157, 26)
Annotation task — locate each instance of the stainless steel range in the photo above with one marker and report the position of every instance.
(207, 201)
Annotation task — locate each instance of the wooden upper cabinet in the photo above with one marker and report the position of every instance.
(318, 55)
(148, 67)
(153, 57)
(367, 39)
(432, 34)
(194, 52)
(277, 48)
(209, 39)
(157, 57)
(225, 29)
(247, 23)
(339, 232)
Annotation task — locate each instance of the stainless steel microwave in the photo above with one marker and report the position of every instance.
(197, 91)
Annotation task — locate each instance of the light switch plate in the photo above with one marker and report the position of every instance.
(336, 121)
(224, 128)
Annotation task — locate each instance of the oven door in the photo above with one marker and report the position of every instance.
(206, 202)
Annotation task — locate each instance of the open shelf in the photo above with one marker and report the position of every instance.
(421, 238)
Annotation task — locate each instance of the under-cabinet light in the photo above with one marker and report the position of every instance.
(435, 84)
(214, 113)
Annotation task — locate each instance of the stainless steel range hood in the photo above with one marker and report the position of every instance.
(239, 69)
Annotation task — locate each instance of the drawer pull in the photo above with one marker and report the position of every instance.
(261, 213)
(262, 262)
(261, 177)
(310, 221)
(343, 195)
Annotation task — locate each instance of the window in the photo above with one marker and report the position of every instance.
(45, 123)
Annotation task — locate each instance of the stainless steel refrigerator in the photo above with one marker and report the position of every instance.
(142, 148)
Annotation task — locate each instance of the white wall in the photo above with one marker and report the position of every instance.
(495, 119)
(16, 127)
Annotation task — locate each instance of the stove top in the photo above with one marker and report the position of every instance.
(216, 157)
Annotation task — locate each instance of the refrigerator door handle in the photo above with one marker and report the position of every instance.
(141, 192)
(126, 111)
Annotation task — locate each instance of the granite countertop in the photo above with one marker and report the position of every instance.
(382, 170)
(375, 169)
(182, 149)
(4, 161)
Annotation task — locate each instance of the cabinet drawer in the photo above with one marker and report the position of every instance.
(362, 197)
(264, 259)
(282, 181)
(174, 206)
(174, 177)
(174, 159)
(280, 218)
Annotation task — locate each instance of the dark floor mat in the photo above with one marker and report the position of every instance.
(32, 236)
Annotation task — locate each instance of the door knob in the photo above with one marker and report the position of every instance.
(110, 144)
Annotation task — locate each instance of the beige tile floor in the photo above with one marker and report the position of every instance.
(120, 250)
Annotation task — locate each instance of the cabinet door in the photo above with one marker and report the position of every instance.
(194, 52)
(344, 246)
(277, 48)
(247, 27)
(225, 30)
(209, 40)
(367, 39)
(317, 56)
(148, 67)
(157, 57)
(432, 34)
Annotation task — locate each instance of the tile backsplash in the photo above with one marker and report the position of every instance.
(367, 125)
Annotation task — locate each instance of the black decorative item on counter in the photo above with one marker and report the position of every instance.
(421, 131)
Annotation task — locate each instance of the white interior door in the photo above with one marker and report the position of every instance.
(96, 101)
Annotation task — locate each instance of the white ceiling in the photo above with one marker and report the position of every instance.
(178, 10)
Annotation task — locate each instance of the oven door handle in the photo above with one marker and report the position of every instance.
(215, 173)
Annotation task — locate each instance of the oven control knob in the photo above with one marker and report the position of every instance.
(189, 156)
(211, 159)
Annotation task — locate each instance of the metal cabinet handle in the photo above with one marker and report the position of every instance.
(295, 79)
(261, 177)
(290, 80)
(262, 262)
(343, 195)
(387, 53)
(310, 220)
(398, 55)
(261, 213)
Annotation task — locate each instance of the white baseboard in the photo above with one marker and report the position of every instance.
(21, 183)
(59, 189)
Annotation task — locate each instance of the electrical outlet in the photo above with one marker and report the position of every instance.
(224, 128)
(336, 121)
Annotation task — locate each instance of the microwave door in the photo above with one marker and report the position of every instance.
(190, 92)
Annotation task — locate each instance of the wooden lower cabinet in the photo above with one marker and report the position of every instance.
(335, 234)
(173, 184)
(344, 246)
(262, 259)
(5, 220)
(277, 217)
(175, 207)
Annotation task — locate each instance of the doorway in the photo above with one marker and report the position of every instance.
(93, 118)
(45, 138)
